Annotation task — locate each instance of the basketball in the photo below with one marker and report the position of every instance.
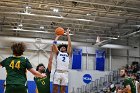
(59, 31)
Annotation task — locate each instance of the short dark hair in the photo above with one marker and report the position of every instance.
(39, 66)
(62, 45)
(18, 48)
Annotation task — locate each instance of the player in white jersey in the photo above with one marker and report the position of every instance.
(63, 53)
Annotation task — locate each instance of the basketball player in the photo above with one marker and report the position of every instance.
(128, 83)
(137, 84)
(63, 53)
(16, 66)
(43, 84)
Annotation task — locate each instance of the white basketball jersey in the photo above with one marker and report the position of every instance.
(62, 62)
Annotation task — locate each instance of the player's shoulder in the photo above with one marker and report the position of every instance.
(21, 58)
(10, 57)
(128, 79)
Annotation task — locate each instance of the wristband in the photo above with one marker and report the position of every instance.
(54, 42)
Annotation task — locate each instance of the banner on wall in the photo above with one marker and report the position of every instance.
(100, 60)
(77, 58)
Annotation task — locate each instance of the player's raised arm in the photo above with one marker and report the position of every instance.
(36, 73)
(69, 42)
(55, 44)
(50, 59)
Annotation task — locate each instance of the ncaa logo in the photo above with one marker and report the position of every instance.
(87, 78)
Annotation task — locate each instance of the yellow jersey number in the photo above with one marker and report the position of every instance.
(43, 83)
(13, 65)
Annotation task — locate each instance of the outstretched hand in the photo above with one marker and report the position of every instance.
(68, 31)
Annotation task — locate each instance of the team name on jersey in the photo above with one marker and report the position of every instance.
(63, 55)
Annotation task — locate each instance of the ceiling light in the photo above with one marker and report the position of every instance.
(26, 13)
(114, 38)
(27, 7)
(24, 30)
(20, 25)
(69, 34)
(26, 10)
(48, 16)
(55, 10)
(88, 14)
(41, 27)
(84, 20)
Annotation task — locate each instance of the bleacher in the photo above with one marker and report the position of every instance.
(108, 83)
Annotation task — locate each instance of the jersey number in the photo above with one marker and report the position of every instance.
(13, 65)
(63, 59)
(43, 83)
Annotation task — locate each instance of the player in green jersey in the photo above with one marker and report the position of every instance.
(43, 84)
(128, 83)
(16, 67)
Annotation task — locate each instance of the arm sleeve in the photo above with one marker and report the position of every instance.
(28, 64)
(2, 63)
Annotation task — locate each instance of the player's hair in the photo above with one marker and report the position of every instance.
(62, 45)
(18, 48)
(39, 66)
(125, 69)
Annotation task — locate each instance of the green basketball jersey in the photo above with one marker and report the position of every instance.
(43, 84)
(130, 81)
(16, 69)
